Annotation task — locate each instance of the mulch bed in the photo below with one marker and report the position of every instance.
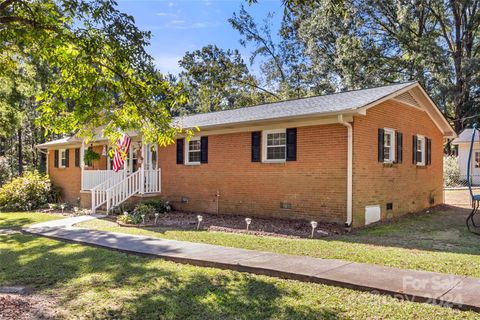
(20, 307)
(236, 224)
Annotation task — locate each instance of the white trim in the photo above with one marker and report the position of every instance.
(420, 137)
(60, 158)
(187, 150)
(265, 133)
(392, 146)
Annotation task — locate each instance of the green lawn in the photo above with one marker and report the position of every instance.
(436, 241)
(94, 283)
(15, 220)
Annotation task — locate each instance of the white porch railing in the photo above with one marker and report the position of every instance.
(153, 181)
(99, 192)
(92, 178)
(123, 190)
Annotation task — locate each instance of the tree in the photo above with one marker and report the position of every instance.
(102, 74)
(218, 79)
(373, 42)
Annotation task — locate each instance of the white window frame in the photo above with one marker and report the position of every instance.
(62, 155)
(265, 134)
(421, 138)
(392, 147)
(187, 151)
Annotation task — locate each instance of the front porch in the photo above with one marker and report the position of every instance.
(107, 189)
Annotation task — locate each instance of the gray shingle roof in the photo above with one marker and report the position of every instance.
(332, 103)
(465, 137)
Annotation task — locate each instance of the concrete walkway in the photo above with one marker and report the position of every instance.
(446, 290)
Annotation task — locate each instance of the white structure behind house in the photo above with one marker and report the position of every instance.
(463, 143)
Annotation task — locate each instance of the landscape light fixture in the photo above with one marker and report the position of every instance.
(157, 214)
(200, 219)
(248, 221)
(314, 225)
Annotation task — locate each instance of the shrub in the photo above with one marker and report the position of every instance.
(32, 190)
(144, 209)
(451, 170)
(159, 205)
(130, 218)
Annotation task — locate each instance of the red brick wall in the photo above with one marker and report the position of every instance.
(314, 185)
(68, 179)
(407, 186)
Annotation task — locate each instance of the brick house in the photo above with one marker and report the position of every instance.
(352, 158)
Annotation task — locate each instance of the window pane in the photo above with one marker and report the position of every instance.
(194, 156)
(194, 145)
(386, 153)
(276, 139)
(276, 153)
(387, 140)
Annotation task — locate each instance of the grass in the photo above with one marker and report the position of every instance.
(16, 220)
(436, 241)
(94, 283)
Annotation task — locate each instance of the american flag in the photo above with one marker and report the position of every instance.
(121, 151)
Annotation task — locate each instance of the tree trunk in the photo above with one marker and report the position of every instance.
(20, 153)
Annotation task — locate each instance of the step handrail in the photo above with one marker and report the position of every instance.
(123, 190)
(99, 192)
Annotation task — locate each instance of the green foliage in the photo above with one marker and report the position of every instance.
(4, 171)
(31, 191)
(101, 73)
(451, 171)
(160, 206)
(130, 219)
(217, 79)
(144, 209)
(90, 156)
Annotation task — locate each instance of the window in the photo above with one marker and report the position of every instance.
(274, 145)
(193, 151)
(63, 158)
(420, 150)
(389, 145)
(477, 159)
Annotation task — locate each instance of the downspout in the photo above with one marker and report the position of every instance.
(342, 121)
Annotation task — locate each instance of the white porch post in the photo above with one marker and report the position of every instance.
(142, 169)
(82, 164)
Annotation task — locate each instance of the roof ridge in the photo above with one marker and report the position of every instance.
(297, 99)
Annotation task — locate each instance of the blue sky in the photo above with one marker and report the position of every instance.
(187, 25)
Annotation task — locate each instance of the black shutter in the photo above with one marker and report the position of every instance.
(67, 157)
(429, 151)
(77, 157)
(204, 150)
(55, 159)
(414, 149)
(399, 140)
(256, 146)
(180, 143)
(381, 134)
(292, 144)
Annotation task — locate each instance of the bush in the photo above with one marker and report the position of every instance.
(159, 205)
(451, 170)
(32, 191)
(130, 218)
(144, 209)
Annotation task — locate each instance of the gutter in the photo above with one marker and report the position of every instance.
(348, 223)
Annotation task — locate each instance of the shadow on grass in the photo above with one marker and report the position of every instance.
(14, 223)
(442, 229)
(98, 283)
